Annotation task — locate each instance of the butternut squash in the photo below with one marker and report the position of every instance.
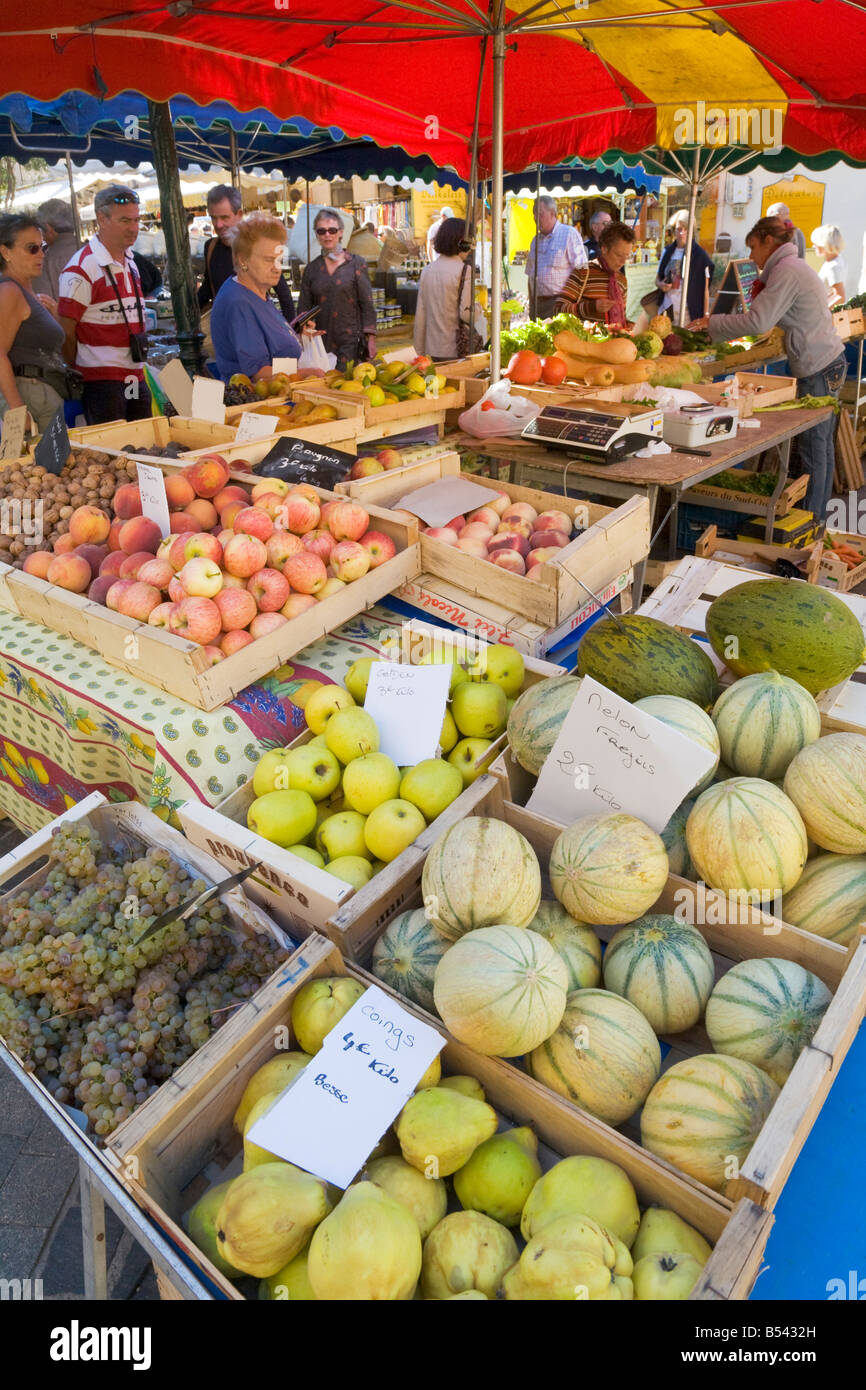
(599, 376)
(611, 350)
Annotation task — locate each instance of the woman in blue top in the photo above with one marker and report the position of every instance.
(247, 326)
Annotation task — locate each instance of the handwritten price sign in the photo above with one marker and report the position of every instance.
(408, 705)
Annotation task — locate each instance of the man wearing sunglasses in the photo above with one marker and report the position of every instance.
(102, 314)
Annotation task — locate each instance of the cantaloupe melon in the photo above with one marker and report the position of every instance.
(674, 841)
(479, 873)
(765, 1011)
(745, 834)
(406, 955)
(689, 720)
(827, 783)
(763, 721)
(664, 968)
(830, 897)
(575, 942)
(501, 990)
(537, 717)
(608, 869)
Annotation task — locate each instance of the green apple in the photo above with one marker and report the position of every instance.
(500, 664)
(479, 710)
(351, 869)
(313, 770)
(466, 755)
(351, 733)
(370, 780)
(442, 658)
(272, 772)
(391, 827)
(356, 678)
(449, 735)
(318, 742)
(323, 704)
(283, 817)
(343, 834)
(312, 856)
(431, 786)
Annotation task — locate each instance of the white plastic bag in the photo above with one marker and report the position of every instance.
(509, 414)
(313, 353)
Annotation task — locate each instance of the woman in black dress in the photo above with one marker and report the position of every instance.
(338, 282)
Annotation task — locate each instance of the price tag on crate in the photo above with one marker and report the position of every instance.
(408, 705)
(336, 1111)
(610, 756)
(14, 426)
(208, 398)
(252, 426)
(154, 503)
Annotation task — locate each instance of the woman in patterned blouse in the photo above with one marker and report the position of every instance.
(338, 282)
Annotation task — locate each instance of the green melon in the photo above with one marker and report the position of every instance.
(674, 841)
(830, 897)
(576, 943)
(406, 955)
(746, 835)
(636, 656)
(608, 869)
(537, 717)
(766, 1011)
(664, 968)
(604, 1056)
(784, 625)
(705, 1112)
(827, 784)
(480, 873)
(763, 721)
(689, 720)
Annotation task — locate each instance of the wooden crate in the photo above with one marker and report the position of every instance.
(614, 539)
(833, 573)
(345, 427)
(755, 390)
(405, 413)
(156, 430)
(683, 599)
(181, 667)
(791, 494)
(168, 1154)
(465, 366)
(752, 555)
(743, 933)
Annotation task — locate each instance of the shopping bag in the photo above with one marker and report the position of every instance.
(313, 353)
(498, 412)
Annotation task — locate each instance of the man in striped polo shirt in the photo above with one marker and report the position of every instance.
(100, 308)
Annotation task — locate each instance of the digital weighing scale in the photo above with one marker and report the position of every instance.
(598, 436)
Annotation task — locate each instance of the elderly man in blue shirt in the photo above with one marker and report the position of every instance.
(559, 249)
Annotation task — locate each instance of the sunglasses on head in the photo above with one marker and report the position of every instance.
(328, 231)
(122, 198)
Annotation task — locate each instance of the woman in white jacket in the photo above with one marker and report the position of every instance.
(790, 294)
(442, 284)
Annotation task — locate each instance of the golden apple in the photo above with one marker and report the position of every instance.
(466, 754)
(350, 733)
(370, 780)
(323, 704)
(391, 827)
(343, 834)
(431, 786)
(283, 817)
(502, 665)
(479, 710)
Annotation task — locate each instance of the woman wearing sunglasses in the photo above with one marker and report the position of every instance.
(339, 284)
(248, 330)
(31, 337)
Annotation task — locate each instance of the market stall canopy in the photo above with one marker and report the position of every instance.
(581, 80)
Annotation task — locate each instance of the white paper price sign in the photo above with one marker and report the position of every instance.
(442, 501)
(251, 426)
(177, 385)
(408, 705)
(611, 756)
(154, 503)
(287, 366)
(14, 428)
(339, 1106)
(208, 400)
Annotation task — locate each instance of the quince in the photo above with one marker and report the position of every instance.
(426, 1198)
(416, 383)
(201, 1224)
(592, 1187)
(466, 1251)
(270, 1079)
(355, 388)
(375, 395)
(291, 1283)
(572, 1257)
(268, 1216)
(500, 1176)
(439, 1130)
(239, 379)
(365, 371)
(318, 1007)
(466, 1085)
(662, 1230)
(668, 1277)
(368, 1248)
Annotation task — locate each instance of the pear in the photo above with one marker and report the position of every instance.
(426, 1198)
(571, 1258)
(466, 1251)
(439, 1130)
(500, 1176)
(267, 1217)
(665, 1276)
(662, 1230)
(318, 1007)
(270, 1079)
(369, 1248)
(591, 1186)
(253, 1153)
(201, 1224)
(432, 1076)
(466, 1085)
(291, 1283)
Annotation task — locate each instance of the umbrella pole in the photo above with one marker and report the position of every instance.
(533, 298)
(233, 157)
(687, 258)
(307, 197)
(496, 194)
(472, 202)
(180, 277)
(76, 220)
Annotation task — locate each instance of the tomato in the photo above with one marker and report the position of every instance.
(524, 369)
(553, 371)
(487, 405)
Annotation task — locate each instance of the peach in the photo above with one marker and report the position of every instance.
(304, 490)
(202, 544)
(116, 592)
(126, 502)
(306, 573)
(333, 586)
(156, 572)
(299, 514)
(264, 623)
(365, 466)
(545, 539)
(234, 640)
(133, 563)
(349, 560)
(176, 592)
(204, 512)
(244, 555)
(553, 521)
(201, 577)
(237, 608)
(281, 545)
(37, 563)
(486, 516)
(509, 541)
(477, 531)
(515, 526)
(509, 560)
(113, 562)
(473, 547)
(213, 655)
(521, 511)
(179, 492)
(93, 554)
(182, 521)
(160, 616)
(390, 458)
(198, 619)
(208, 475)
(114, 535)
(233, 493)
(98, 590)
(139, 601)
(542, 555)
(252, 521)
(64, 545)
(89, 526)
(269, 588)
(299, 603)
(320, 542)
(348, 521)
(231, 511)
(140, 533)
(445, 534)
(456, 523)
(500, 502)
(535, 572)
(379, 547)
(266, 485)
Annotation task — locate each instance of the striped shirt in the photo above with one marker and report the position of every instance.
(88, 297)
(560, 251)
(586, 287)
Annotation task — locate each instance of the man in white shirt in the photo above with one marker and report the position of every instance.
(559, 249)
(432, 253)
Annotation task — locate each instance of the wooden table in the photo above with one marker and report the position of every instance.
(671, 473)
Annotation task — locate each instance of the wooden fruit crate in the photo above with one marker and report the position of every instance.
(181, 667)
(791, 494)
(754, 555)
(168, 1154)
(743, 933)
(298, 895)
(349, 419)
(755, 390)
(614, 539)
(683, 599)
(157, 430)
(407, 413)
(833, 573)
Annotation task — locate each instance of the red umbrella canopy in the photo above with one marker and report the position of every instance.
(579, 79)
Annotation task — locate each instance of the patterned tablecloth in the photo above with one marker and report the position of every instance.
(70, 724)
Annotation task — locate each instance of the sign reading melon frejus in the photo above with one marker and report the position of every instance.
(154, 503)
(337, 1109)
(611, 756)
(408, 705)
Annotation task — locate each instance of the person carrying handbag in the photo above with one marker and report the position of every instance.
(32, 371)
(443, 326)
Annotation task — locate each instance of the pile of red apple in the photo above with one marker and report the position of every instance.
(512, 535)
(382, 462)
(237, 564)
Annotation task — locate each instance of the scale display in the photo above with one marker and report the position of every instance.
(593, 434)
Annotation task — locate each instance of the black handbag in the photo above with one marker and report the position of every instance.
(469, 340)
(137, 341)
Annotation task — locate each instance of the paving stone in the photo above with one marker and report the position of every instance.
(10, 1147)
(19, 1250)
(62, 1264)
(35, 1188)
(18, 1112)
(44, 1138)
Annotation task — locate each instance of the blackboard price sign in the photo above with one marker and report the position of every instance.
(299, 461)
(734, 294)
(54, 447)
